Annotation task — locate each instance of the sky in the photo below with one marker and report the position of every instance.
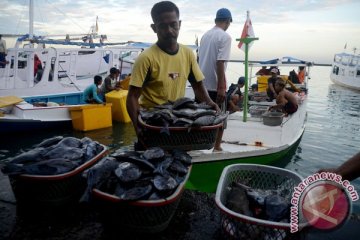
(313, 30)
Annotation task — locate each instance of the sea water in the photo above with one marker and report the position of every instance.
(332, 133)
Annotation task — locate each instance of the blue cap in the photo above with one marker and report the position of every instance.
(241, 80)
(223, 13)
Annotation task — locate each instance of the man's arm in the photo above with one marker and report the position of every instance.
(202, 95)
(349, 170)
(133, 107)
(221, 87)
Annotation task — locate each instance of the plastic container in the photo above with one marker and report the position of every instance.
(239, 226)
(262, 81)
(257, 110)
(145, 216)
(52, 190)
(91, 117)
(180, 137)
(118, 101)
(273, 118)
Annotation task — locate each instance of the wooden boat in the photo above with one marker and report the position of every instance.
(249, 140)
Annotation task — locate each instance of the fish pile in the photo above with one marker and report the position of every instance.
(271, 205)
(53, 156)
(131, 175)
(184, 112)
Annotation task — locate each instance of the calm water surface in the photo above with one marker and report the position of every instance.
(332, 132)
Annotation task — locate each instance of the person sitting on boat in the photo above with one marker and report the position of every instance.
(285, 100)
(111, 83)
(301, 74)
(232, 100)
(263, 71)
(271, 85)
(92, 92)
(160, 72)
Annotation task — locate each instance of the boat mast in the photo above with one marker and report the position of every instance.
(247, 40)
(31, 21)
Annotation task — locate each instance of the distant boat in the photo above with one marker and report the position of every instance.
(253, 140)
(346, 70)
(60, 76)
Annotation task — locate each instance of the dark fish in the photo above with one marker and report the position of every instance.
(50, 141)
(85, 141)
(142, 163)
(50, 167)
(204, 121)
(182, 156)
(220, 118)
(98, 174)
(70, 142)
(237, 200)
(202, 112)
(195, 105)
(127, 172)
(12, 169)
(122, 155)
(182, 122)
(153, 153)
(71, 153)
(31, 156)
(162, 167)
(187, 112)
(178, 167)
(136, 193)
(90, 150)
(276, 207)
(179, 103)
(167, 183)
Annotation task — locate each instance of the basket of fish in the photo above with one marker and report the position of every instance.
(183, 124)
(50, 173)
(139, 191)
(254, 201)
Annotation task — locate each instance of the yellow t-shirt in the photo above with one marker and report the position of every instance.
(162, 76)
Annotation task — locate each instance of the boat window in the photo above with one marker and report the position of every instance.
(337, 58)
(336, 70)
(22, 60)
(351, 73)
(342, 72)
(345, 60)
(354, 61)
(358, 73)
(85, 52)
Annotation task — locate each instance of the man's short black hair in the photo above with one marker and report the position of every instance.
(97, 79)
(161, 7)
(113, 70)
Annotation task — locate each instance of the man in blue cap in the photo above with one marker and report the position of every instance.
(214, 50)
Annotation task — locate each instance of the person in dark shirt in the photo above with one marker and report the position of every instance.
(234, 95)
(263, 71)
(271, 84)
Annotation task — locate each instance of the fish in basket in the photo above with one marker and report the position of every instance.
(139, 191)
(183, 124)
(254, 201)
(50, 173)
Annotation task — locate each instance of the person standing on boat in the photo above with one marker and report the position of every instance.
(271, 84)
(160, 72)
(91, 93)
(2, 52)
(111, 82)
(214, 51)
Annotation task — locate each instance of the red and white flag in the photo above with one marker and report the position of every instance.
(247, 31)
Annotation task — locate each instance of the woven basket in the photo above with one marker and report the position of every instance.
(240, 226)
(52, 190)
(180, 137)
(143, 216)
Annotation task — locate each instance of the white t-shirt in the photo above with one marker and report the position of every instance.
(214, 45)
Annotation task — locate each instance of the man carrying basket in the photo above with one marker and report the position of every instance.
(161, 71)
